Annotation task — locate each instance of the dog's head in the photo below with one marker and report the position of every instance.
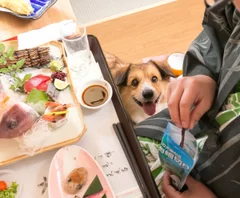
(145, 84)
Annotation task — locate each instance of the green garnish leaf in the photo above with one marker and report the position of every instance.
(2, 47)
(4, 70)
(36, 96)
(12, 87)
(27, 77)
(104, 196)
(19, 70)
(20, 63)
(10, 51)
(11, 58)
(5, 55)
(18, 82)
(2, 60)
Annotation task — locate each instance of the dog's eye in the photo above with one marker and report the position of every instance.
(154, 79)
(135, 82)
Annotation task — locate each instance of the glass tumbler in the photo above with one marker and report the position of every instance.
(74, 37)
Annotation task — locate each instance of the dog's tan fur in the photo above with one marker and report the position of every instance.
(125, 73)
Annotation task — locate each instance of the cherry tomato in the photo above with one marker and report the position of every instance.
(3, 185)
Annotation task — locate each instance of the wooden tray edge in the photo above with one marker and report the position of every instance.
(60, 144)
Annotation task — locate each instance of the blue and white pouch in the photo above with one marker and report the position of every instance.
(178, 160)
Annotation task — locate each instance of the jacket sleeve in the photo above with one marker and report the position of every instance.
(204, 56)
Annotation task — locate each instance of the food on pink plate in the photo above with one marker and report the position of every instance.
(39, 82)
(17, 120)
(75, 180)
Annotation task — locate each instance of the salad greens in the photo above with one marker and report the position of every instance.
(13, 69)
(10, 192)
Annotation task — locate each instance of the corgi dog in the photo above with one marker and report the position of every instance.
(143, 87)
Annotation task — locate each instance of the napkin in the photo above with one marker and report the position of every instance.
(41, 36)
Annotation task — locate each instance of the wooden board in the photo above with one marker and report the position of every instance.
(69, 133)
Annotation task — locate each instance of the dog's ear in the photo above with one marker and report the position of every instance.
(164, 70)
(121, 75)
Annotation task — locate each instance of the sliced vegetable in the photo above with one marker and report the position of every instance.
(60, 85)
(39, 82)
(57, 113)
(55, 65)
(36, 96)
(37, 100)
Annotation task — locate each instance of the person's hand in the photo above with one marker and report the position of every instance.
(186, 93)
(195, 189)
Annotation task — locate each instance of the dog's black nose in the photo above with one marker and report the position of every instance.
(147, 94)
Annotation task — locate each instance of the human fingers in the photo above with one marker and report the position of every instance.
(199, 109)
(168, 190)
(188, 98)
(173, 102)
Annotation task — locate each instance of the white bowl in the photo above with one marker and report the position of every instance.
(82, 87)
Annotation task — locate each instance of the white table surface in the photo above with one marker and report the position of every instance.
(99, 140)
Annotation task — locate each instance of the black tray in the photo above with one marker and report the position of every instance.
(125, 130)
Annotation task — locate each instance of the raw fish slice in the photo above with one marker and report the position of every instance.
(17, 120)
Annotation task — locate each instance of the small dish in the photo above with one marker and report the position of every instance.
(94, 94)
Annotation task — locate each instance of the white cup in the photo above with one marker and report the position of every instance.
(95, 82)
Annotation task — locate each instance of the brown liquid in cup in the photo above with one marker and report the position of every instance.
(94, 95)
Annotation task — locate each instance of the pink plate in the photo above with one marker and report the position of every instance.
(67, 159)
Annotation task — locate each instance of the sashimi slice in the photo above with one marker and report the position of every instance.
(35, 81)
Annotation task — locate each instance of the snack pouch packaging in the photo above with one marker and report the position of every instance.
(179, 161)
